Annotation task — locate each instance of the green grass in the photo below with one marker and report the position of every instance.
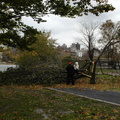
(36, 103)
(108, 71)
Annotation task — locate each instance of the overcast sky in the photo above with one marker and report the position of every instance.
(65, 29)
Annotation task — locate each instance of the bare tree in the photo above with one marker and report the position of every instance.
(109, 32)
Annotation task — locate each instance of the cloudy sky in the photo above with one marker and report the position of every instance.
(64, 30)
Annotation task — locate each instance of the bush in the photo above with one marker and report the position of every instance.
(46, 76)
(33, 69)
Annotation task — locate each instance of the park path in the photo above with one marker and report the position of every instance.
(110, 97)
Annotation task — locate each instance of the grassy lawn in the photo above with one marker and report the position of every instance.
(103, 82)
(39, 103)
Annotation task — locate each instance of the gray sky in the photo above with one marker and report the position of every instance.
(65, 29)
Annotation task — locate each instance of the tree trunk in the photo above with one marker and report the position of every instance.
(92, 79)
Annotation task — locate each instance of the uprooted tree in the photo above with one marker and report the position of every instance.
(109, 37)
(12, 11)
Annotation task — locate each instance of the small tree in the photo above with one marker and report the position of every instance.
(42, 63)
(43, 50)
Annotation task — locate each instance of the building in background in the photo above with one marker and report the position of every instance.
(74, 50)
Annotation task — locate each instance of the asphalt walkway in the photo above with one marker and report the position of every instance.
(102, 96)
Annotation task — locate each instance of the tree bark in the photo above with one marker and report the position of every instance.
(92, 79)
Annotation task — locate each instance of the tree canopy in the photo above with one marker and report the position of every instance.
(12, 11)
(45, 47)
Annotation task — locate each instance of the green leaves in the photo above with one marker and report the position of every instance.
(20, 38)
(12, 11)
(37, 8)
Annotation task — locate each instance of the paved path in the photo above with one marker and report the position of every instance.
(103, 96)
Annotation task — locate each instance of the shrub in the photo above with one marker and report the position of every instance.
(33, 69)
(19, 76)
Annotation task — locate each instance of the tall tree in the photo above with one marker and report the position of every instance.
(111, 42)
(88, 38)
(110, 36)
(12, 11)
